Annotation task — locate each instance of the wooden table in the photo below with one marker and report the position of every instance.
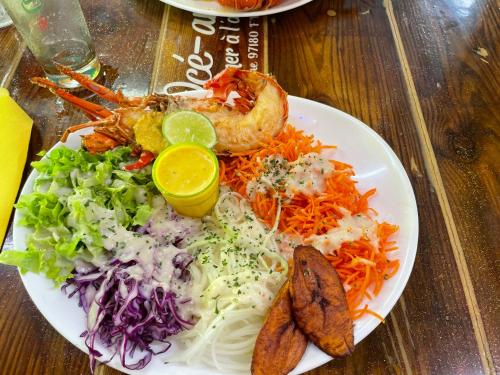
(423, 74)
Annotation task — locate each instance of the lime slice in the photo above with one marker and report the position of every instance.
(189, 126)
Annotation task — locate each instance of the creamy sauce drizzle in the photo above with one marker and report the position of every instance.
(305, 175)
(153, 252)
(350, 228)
(287, 243)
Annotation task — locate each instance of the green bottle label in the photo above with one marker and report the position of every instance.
(32, 6)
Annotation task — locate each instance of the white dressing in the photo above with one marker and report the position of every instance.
(169, 227)
(287, 244)
(305, 175)
(153, 252)
(350, 228)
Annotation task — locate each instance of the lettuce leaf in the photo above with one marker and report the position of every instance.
(63, 227)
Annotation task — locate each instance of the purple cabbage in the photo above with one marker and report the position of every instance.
(171, 235)
(181, 263)
(130, 315)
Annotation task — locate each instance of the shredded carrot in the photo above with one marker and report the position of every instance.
(362, 268)
(365, 310)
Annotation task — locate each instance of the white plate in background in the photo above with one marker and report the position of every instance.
(213, 8)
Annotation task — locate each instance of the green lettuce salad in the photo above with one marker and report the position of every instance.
(57, 209)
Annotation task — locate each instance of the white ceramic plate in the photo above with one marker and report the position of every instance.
(213, 8)
(375, 164)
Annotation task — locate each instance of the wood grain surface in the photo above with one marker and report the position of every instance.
(416, 72)
(12, 48)
(453, 61)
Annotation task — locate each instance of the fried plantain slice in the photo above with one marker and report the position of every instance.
(280, 344)
(319, 302)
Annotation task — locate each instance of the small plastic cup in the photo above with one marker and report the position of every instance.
(187, 175)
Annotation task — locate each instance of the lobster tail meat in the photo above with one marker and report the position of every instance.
(257, 113)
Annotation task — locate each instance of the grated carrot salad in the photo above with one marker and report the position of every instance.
(362, 268)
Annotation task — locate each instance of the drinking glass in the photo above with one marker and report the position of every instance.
(4, 17)
(55, 32)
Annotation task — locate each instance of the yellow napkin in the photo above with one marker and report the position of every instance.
(15, 131)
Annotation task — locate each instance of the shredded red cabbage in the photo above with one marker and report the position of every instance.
(129, 314)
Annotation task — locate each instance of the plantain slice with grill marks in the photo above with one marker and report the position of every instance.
(280, 344)
(319, 302)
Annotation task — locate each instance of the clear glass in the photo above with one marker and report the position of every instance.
(55, 32)
(4, 17)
